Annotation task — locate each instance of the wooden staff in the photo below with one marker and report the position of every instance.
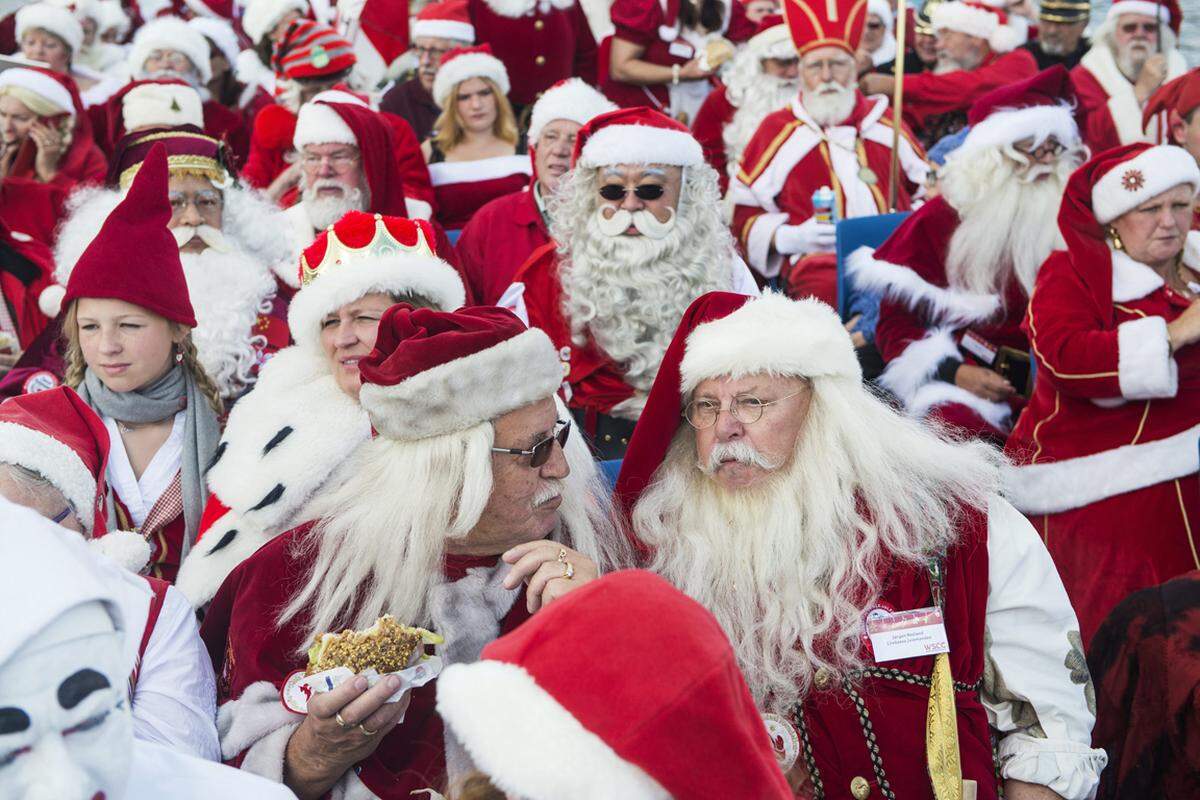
(897, 101)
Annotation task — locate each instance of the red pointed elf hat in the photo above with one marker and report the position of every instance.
(134, 257)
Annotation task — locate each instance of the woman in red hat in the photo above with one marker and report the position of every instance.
(47, 136)
(129, 354)
(1107, 447)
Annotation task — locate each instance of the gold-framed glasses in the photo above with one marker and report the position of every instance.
(745, 408)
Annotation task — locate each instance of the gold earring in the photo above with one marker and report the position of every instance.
(1115, 238)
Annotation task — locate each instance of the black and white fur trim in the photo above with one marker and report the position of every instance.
(467, 391)
(903, 284)
(54, 461)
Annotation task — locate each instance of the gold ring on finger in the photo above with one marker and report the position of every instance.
(568, 570)
(341, 723)
(562, 555)
(366, 732)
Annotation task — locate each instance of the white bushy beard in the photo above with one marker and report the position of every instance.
(1133, 56)
(830, 103)
(755, 95)
(984, 186)
(325, 211)
(629, 292)
(191, 77)
(789, 568)
(228, 291)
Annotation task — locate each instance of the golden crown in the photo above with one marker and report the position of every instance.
(382, 245)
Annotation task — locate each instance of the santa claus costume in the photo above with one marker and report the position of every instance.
(541, 42)
(733, 111)
(794, 153)
(665, 713)
(955, 285)
(873, 516)
(611, 326)
(503, 233)
(60, 20)
(1107, 100)
(1106, 449)
(55, 100)
(285, 440)
(430, 388)
(463, 187)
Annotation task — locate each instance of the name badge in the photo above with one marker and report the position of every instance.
(908, 634)
(681, 50)
(979, 347)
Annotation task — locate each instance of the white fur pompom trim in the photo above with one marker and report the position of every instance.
(261, 16)
(966, 19)
(126, 548)
(1006, 38)
(640, 144)
(1150, 173)
(42, 85)
(317, 123)
(1145, 8)
(50, 300)
(444, 29)
(469, 65)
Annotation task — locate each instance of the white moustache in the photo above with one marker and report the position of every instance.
(548, 491)
(645, 223)
(739, 451)
(213, 238)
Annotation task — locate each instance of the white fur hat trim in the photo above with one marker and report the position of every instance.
(572, 100)
(1145, 8)
(339, 284)
(40, 84)
(54, 19)
(774, 42)
(469, 65)
(1133, 182)
(263, 15)
(154, 105)
(640, 144)
(978, 22)
(128, 549)
(444, 29)
(774, 335)
(170, 33)
(317, 123)
(1010, 125)
(54, 461)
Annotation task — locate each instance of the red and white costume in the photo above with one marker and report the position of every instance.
(82, 162)
(27, 270)
(1106, 449)
(541, 42)
(1112, 113)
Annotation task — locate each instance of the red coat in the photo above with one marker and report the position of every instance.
(32, 208)
(247, 646)
(26, 268)
(539, 48)
(497, 241)
(709, 130)
(1109, 111)
(463, 187)
(1106, 449)
(927, 96)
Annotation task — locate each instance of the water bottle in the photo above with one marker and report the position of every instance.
(822, 203)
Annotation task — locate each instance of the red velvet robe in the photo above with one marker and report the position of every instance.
(500, 238)
(539, 49)
(247, 646)
(1106, 449)
(709, 130)
(463, 187)
(928, 97)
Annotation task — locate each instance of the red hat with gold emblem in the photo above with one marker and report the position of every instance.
(825, 23)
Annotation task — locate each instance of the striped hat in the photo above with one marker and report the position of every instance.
(312, 50)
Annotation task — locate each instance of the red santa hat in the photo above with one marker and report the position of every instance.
(635, 136)
(729, 335)
(312, 50)
(1178, 97)
(364, 253)
(445, 20)
(170, 33)
(772, 39)
(1166, 11)
(134, 257)
(55, 434)
(572, 99)
(625, 684)
(261, 16)
(52, 18)
(979, 20)
(465, 63)
(434, 373)
(1037, 107)
(41, 83)
(835, 23)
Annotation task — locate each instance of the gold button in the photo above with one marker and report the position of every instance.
(608, 437)
(822, 678)
(540, 60)
(538, 25)
(860, 788)
(624, 440)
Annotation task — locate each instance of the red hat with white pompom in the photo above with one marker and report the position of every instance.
(466, 63)
(571, 99)
(635, 136)
(1037, 107)
(448, 19)
(980, 20)
(1166, 11)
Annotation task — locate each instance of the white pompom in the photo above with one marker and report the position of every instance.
(126, 548)
(1006, 39)
(50, 300)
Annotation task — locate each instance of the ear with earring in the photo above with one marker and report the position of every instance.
(178, 354)
(1115, 239)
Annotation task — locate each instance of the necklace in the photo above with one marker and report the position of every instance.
(125, 427)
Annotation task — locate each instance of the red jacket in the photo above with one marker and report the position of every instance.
(927, 95)
(709, 130)
(497, 241)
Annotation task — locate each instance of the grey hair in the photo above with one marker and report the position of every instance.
(36, 485)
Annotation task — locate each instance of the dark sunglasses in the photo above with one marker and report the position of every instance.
(539, 454)
(647, 191)
(1144, 27)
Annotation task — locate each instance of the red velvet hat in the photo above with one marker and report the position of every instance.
(625, 684)
(1166, 10)
(1178, 97)
(635, 136)
(189, 150)
(312, 50)
(55, 434)
(134, 257)
(448, 19)
(835, 23)
(436, 372)
(1039, 106)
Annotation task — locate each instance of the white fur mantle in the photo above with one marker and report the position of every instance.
(944, 305)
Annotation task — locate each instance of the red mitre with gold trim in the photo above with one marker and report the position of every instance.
(825, 23)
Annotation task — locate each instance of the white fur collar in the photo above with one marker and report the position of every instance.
(1132, 279)
(520, 8)
(869, 119)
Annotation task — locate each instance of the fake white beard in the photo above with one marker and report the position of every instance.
(984, 187)
(212, 237)
(190, 77)
(755, 99)
(788, 568)
(325, 211)
(946, 64)
(646, 223)
(228, 291)
(829, 104)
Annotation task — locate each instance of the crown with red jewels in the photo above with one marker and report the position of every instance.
(359, 236)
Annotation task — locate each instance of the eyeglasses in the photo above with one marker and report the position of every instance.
(875, 26)
(208, 204)
(341, 161)
(172, 58)
(60, 516)
(647, 191)
(432, 53)
(1051, 148)
(1144, 27)
(746, 409)
(539, 454)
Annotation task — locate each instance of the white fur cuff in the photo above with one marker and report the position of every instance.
(915, 366)
(1145, 368)
(54, 461)
(257, 723)
(759, 250)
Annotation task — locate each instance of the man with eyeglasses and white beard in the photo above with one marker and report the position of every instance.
(638, 233)
(1133, 53)
(828, 135)
(956, 281)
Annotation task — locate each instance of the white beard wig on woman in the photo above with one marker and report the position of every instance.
(755, 95)
(789, 569)
(984, 186)
(629, 292)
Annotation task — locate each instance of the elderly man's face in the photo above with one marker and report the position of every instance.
(166, 63)
(196, 207)
(1039, 158)
(46, 500)
(524, 503)
(337, 167)
(1135, 37)
(783, 68)
(552, 152)
(659, 188)
(1060, 38)
(959, 51)
(737, 450)
(429, 50)
(827, 68)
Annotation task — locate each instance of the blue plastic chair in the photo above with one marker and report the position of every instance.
(610, 470)
(853, 234)
(453, 236)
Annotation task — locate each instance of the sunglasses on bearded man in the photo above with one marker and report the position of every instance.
(647, 191)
